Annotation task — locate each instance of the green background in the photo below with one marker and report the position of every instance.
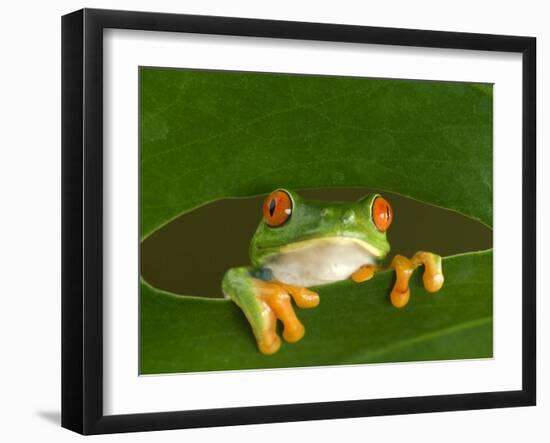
(210, 135)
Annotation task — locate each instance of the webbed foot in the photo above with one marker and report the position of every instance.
(432, 278)
(265, 302)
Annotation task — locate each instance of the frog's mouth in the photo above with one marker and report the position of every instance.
(321, 260)
(332, 241)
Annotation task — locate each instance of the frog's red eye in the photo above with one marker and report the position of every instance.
(382, 214)
(277, 208)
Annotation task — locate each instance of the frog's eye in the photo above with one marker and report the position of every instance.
(277, 208)
(382, 214)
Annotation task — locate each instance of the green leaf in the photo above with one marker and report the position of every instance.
(206, 135)
(354, 323)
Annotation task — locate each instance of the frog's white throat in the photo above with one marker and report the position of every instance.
(320, 261)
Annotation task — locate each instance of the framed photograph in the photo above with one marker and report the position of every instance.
(269, 221)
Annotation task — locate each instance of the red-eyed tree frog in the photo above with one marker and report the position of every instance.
(300, 244)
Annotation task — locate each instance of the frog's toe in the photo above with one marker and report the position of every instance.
(398, 298)
(433, 270)
(269, 343)
(364, 273)
(433, 283)
(401, 293)
(293, 331)
(303, 297)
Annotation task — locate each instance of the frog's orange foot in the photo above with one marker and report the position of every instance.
(433, 275)
(276, 299)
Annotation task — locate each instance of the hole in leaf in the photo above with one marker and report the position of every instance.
(190, 255)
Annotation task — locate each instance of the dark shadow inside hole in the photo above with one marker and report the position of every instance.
(191, 254)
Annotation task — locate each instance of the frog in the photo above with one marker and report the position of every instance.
(301, 244)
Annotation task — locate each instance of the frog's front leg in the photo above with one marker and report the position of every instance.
(263, 302)
(433, 275)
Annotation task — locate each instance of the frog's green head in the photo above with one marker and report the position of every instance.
(292, 224)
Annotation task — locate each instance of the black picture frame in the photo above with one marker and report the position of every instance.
(82, 219)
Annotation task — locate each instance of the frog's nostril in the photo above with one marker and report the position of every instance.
(349, 217)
